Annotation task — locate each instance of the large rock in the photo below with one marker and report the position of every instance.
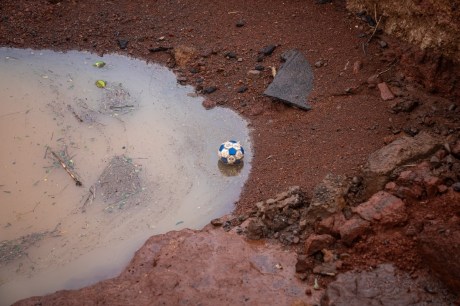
(401, 151)
(383, 208)
(383, 286)
(208, 267)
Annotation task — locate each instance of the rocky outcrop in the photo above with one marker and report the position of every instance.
(384, 285)
(207, 267)
(384, 161)
(427, 23)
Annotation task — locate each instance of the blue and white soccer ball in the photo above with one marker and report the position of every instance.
(231, 152)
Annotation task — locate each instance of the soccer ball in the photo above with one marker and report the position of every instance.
(231, 152)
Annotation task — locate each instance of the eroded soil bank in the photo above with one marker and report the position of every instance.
(217, 48)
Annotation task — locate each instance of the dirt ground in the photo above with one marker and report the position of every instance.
(216, 43)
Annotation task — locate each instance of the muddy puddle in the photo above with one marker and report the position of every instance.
(143, 149)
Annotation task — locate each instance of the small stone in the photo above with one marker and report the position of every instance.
(383, 44)
(209, 104)
(253, 74)
(308, 291)
(209, 90)
(385, 92)
(181, 80)
(268, 50)
(383, 208)
(260, 58)
(316, 243)
(456, 187)
(230, 54)
(374, 79)
(319, 64)
(242, 89)
(357, 66)
(353, 229)
(240, 23)
(217, 222)
(122, 43)
(259, 67)
(240, 59)
(442, 189)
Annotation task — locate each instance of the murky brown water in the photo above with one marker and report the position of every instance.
(49, 103)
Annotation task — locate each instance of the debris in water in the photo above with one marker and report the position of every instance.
(70, 173)
(99, 64)
(101, 83)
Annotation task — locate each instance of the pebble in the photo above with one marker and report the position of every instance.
(122, 43)
(259, 67)
(456, 186)
(385, 92)
(374, 79)
(242, 89)
(357, 66)
(230, 54)
(268, 50)
(208, 104)
(319, 64)
(383, 44)
(254, 73)
(240, 23)
(209, 90)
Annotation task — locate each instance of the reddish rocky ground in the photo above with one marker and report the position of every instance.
(215, 44)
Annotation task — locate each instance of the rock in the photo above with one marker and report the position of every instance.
(328, 198)
(256, 229)
(293, 82)
(353, 229)
(385, 92)
(194, 267)
(315, 243)
(217, 222)
(253, 74)
(122, 43)
(405, 105)
(403, 150)
(331, 225)
(383, 44)
(319, 64)
(242, 89)
(268, 50)
(327, 269)
(240, 23)
(230, 54)
(209, 104)
(456, 186)
(374, 79)
(383, 208)
(209, 90)
(357, 66)
(383, 285)
(259, 67)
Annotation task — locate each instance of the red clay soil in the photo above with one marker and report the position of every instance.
(349, 119)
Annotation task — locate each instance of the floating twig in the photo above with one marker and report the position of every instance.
(72, 175)
(90, 198)
(69, 107)
(121, 106)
